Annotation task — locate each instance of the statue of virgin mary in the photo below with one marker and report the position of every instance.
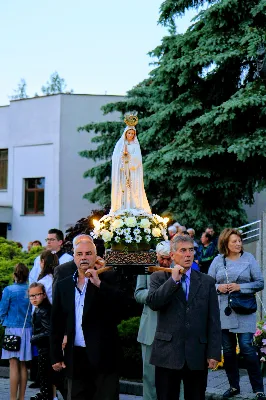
(127, 172)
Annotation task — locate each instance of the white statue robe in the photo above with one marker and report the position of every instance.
(127, 177)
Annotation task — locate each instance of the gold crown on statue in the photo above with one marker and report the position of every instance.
(131, 119)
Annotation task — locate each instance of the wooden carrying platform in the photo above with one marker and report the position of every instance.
(138, 258)
(132, 263)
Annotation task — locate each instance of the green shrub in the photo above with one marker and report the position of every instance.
(10, 255)
(132, 360)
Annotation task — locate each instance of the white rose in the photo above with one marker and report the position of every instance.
(106, 235)
(164, 234)
(117, 223)
(131, 222)
(145, 223)
(156, 232)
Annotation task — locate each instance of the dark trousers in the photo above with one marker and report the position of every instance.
(167, 382)
(34, 373)
(248, 351)
(45, 374)
(87, 384)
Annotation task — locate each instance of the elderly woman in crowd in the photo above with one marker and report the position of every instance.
(148, 322)
(15, 315)
(172, 231)
(237, 271)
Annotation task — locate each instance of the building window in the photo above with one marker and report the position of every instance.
(3, 168)
(34, 195)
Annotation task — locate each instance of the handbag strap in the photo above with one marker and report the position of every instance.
(25, 320)
(227, 280)
(225, 269)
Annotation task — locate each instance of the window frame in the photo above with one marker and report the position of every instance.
(36, 192)
(3, 178)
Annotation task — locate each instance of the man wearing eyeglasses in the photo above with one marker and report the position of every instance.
(188, 334)
(54, 242)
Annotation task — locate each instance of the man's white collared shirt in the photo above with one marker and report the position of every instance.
(79, 306)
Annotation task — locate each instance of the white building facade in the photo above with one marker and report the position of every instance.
(41, 172)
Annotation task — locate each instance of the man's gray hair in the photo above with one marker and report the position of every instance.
(82, 236)
(180, 239)
(163, 249)
(81, 239)
(176, 224)
(172, 228)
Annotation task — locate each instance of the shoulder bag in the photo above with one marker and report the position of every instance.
(13, 342)
(241, 303)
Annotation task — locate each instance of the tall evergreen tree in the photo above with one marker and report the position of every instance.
(202, 116)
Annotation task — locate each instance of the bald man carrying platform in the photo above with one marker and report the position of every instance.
(86, 308)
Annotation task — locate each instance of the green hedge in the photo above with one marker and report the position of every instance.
(132, 360)
(10, 255)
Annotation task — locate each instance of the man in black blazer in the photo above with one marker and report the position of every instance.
(86, 309)
(63, 271)
(188, 335)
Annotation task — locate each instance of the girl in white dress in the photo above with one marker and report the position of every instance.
(48, 262)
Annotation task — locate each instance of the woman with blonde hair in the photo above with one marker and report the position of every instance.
(15, 316)
(237, 271)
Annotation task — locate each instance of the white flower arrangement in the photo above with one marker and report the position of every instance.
(130, 227)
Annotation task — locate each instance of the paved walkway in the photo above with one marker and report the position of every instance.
(217, 384)
(4, 392)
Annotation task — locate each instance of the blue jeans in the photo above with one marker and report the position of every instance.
(248, 351)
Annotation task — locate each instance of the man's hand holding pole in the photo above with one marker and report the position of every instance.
(177, 273)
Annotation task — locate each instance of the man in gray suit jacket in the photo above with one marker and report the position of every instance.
(148, 322)
(188, 335)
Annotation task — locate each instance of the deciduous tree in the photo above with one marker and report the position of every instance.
(55, 85)
(21, 91)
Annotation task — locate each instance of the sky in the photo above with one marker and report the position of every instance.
(97, 46)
